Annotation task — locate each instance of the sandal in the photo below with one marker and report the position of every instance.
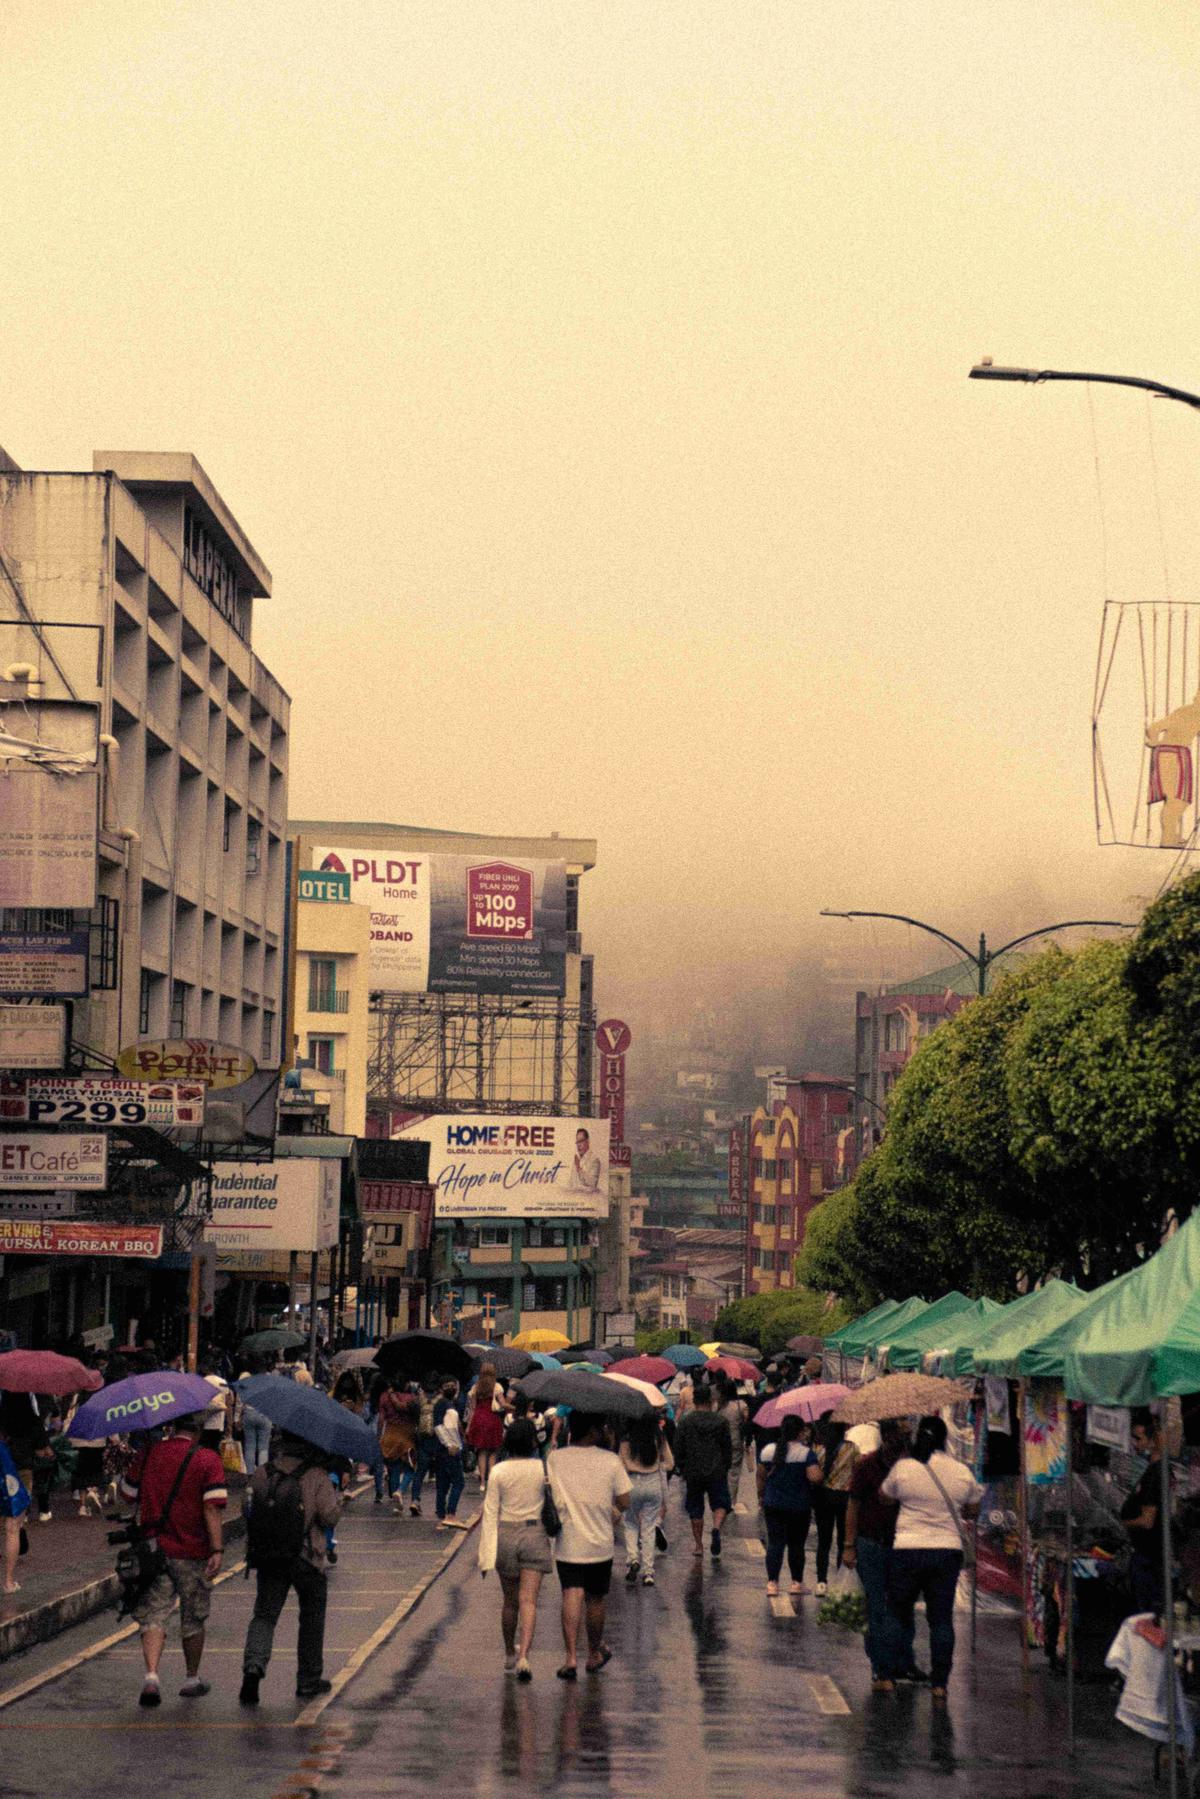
(567, 1674)
(772, 1589)
(606, 1656)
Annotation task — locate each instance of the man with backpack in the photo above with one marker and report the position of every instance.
(292, 1503)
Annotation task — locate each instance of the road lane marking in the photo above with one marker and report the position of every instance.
(754, 1548)
(366, 1650)
(780, 1606)
(830, 1699)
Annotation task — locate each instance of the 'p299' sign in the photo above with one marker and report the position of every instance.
(93, 1101)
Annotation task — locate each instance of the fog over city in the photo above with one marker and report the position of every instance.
(593, 380)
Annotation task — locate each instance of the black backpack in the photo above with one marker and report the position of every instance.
(275, 1524)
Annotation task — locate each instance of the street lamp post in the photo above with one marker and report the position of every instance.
(987, 370)
(982, 959)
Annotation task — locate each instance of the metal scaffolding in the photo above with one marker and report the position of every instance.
(469, 1052)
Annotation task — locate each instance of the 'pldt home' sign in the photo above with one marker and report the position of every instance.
(323, 884)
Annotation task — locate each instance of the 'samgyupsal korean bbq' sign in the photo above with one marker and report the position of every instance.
(47, 1237)
(213, 1065)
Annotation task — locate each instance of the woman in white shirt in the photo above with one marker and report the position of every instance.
(513, 1541)
(934, 1492)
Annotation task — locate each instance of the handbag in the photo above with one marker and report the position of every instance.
(968, 1541)
(394, 1441)
(551, 1520)
(232, 1459)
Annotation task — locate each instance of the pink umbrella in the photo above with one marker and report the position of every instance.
(652, 1368)
(41, 1371)
(733, 1366)
(801, 1402)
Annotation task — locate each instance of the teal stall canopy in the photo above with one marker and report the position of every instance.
(996, 1347)
(1141, 1341)
(859, 1340)
(882, 1310)
(935, 1329)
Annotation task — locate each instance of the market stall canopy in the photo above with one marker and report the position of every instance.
(1142, 1340)
(996, 1347)
(883, 1310)
(925, 1331)
(875, 1327)
(1044, 1358)
(930, 1333)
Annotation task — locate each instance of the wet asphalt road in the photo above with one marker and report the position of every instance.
(711, 1691)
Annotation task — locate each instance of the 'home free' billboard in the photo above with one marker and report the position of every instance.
(459, 924)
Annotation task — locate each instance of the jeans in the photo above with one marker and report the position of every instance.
(449, 1477)
(830, 1509)
(273, 1584)
(642, 1517)
(786, 1530)
(424, 1454)
(256, 1434)
(873, 1562)
(932, 1575)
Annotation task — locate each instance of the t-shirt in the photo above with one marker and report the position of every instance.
(925, 1521)
(514, 1495)
(1143, 1667)
(216, 1414)
(586, 1483)
(183, 1533)
(876, 1515)
(703, 1446)
(1147, 1492)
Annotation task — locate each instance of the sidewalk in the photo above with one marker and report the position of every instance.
(69, 1571)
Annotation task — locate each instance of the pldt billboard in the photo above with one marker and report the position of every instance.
(459, 924)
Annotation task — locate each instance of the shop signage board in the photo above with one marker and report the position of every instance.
(44, 964)
(381, 1202)
(613, 1037)
(458, 924)
(505, 1166)
(329, 886)
(98, 1100)
(32, 1161)
(32, 1036)
(213, 1065)
(49, 838)
(57, 1204)
(48, 1237)
(291, 1204)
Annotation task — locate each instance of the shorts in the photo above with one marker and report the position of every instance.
(594, 1577)
(715, 1490)
(185, 1579)
(521, 1546)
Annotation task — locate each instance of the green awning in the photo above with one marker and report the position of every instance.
(859, 1340)
(882, 1310)
(1045, 1359)
(1140, 1340)
(935, 1329)
(996, 1348)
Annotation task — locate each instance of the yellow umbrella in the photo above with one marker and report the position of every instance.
(544, 1342)
(709, 1348)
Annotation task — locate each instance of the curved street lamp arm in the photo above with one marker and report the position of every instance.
(902, 918)
(1047, 930)
(986, 371)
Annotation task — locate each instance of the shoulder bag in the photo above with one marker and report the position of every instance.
(966, 1538)
(551, 1520)
(141, 1562)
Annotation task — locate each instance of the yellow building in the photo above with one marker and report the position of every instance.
(784, 1187)
(330, 1007)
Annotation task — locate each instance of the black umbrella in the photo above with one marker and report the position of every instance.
(510, 1364)
(617, 1356)
(569, 1356)
(417, 1353)
(586, 1393)
(272, 1342)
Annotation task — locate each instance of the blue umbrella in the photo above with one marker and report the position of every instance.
(549, 1363)
(140, 1403)
(684, 1355)
(311, 1415)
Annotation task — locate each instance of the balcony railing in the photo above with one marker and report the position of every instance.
(324, 999)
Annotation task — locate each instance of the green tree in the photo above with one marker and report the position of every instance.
(770, 1319)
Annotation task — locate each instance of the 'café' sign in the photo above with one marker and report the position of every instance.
(187, 1059)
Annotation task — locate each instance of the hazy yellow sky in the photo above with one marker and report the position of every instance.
(592, 377)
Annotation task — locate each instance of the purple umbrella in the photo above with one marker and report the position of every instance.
(140, 1403)
(801, 1402)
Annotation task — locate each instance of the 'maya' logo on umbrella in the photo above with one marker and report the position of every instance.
(334, 862)
(149, 1402)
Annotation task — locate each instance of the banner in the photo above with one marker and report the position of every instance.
(613, 1038)
(292, 1204)
(44, 964)
(44, 1237)
(33, 1036)
(514, 1167)
(459, 924)
(32, 1160)
(94, 1100)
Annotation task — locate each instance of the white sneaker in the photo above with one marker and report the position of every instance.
(821, 1589)
(45, 1517)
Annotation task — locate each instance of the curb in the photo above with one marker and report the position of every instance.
(64, 1611)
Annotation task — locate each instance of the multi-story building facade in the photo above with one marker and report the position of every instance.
(795, 1149)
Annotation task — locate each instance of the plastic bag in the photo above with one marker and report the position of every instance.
(844, 1603)
(233, 1460)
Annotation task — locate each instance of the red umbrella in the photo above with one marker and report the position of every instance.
(41, 1371)
(733, 1366)
(652, 1368)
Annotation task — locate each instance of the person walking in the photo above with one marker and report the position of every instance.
(397, 1415)
(256, 1426)
(838, 1457)
(513, 1541)
(703, 1456)
(792, 1473)
(870, 1529)
(760, 1435)
(736, 1413)
(934, 1492)
(591, 1490)
(179, 1487)
(448, 1459)
(485, 1421)
(425, 1453)
(14, 1505)
(1140, 1515)
(293, 1506)
(646, 1458)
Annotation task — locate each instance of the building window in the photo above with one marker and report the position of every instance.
(494, 1236)
(268, 1036)
(895, 1032)
(253, 846)
(179, 1009)
(320, 1054)
(757, 1165)
(769, 1167)
(104, 941)
(322, 983)
(550, 1296)
(144, 991)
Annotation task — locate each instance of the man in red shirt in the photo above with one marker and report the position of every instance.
(180, 1489)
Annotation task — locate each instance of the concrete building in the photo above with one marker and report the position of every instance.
(330, 1011)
